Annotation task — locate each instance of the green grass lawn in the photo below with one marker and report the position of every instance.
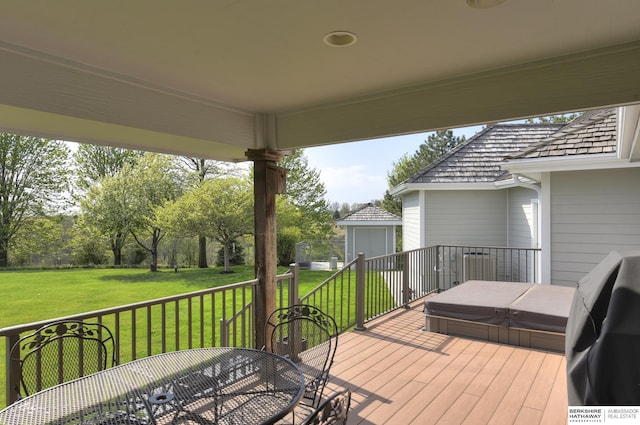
(29, 296)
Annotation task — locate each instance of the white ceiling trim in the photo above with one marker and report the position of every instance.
(533, 89)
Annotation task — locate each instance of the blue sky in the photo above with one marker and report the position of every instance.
(357, 171)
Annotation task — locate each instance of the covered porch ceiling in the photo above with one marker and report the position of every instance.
(213, 79)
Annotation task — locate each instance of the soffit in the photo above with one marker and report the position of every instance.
(216, 78)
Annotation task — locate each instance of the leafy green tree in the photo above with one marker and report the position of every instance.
(96, 162)
(203, 169)
(42, 241)
(307, 193)
(149, 185)
(236, 255)
(105, 212)
(127, 202)
(87, 245)
(34, 173)
(345, 208)
(436, 145)
(288, 232)
(221, 209)
(553, 119)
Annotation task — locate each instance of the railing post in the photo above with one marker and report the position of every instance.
(406, 288)
(12, 370)
(360, 271)
(224, 333)
(294, 290)
(437, 268)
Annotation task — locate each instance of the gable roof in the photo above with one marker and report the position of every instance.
(479, 159)
(593, 132)
(370, 214)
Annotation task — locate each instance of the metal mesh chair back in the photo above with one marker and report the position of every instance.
(333, 411)
(308, 337)
(59, 352)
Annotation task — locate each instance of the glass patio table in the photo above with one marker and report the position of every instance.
(196, 386)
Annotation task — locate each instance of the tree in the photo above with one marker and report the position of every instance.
(307, 193)
(42, 241)
(87, 246)
(94, 163)
(221, 209)
(554, 119)
(203, 169)
(236, 255)
(152, 183)
(345, 208)
(105, 212)
(436, 145)
(34, 173)
(288, 232)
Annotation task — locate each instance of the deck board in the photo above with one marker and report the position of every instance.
(400, 374)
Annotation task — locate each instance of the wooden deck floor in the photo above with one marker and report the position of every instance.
(400, 374)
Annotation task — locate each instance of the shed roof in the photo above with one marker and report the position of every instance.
(370, 214)
(478, 159)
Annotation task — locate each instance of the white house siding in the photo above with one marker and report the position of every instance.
(521, 225)
(522, 231)
(466, 217)
(592, 213)
(411, 221)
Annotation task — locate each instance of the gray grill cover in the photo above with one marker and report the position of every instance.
(602, 343)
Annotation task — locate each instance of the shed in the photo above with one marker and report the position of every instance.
(370, 230)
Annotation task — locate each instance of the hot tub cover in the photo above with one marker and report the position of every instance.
(542, 307)
(602, 345)
(478, 301)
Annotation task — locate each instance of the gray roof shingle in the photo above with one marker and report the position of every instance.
(594, 132)
(370, 213)
(478, 159)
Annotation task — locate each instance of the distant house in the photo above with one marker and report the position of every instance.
(572, 190)
(369, 230)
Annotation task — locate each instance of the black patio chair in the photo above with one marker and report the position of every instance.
(308, 337)
(59, 352)
(333, 411)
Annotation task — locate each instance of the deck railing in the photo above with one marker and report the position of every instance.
(162, 325)
(366, 288)
(362, 290)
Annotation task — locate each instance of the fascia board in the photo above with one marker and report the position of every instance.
(368, 223)
(573, 163)
(412, 187)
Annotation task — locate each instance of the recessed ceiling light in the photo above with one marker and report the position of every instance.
(483, 4)
(340, 39)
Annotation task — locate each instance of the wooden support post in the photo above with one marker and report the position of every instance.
(268, 180)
